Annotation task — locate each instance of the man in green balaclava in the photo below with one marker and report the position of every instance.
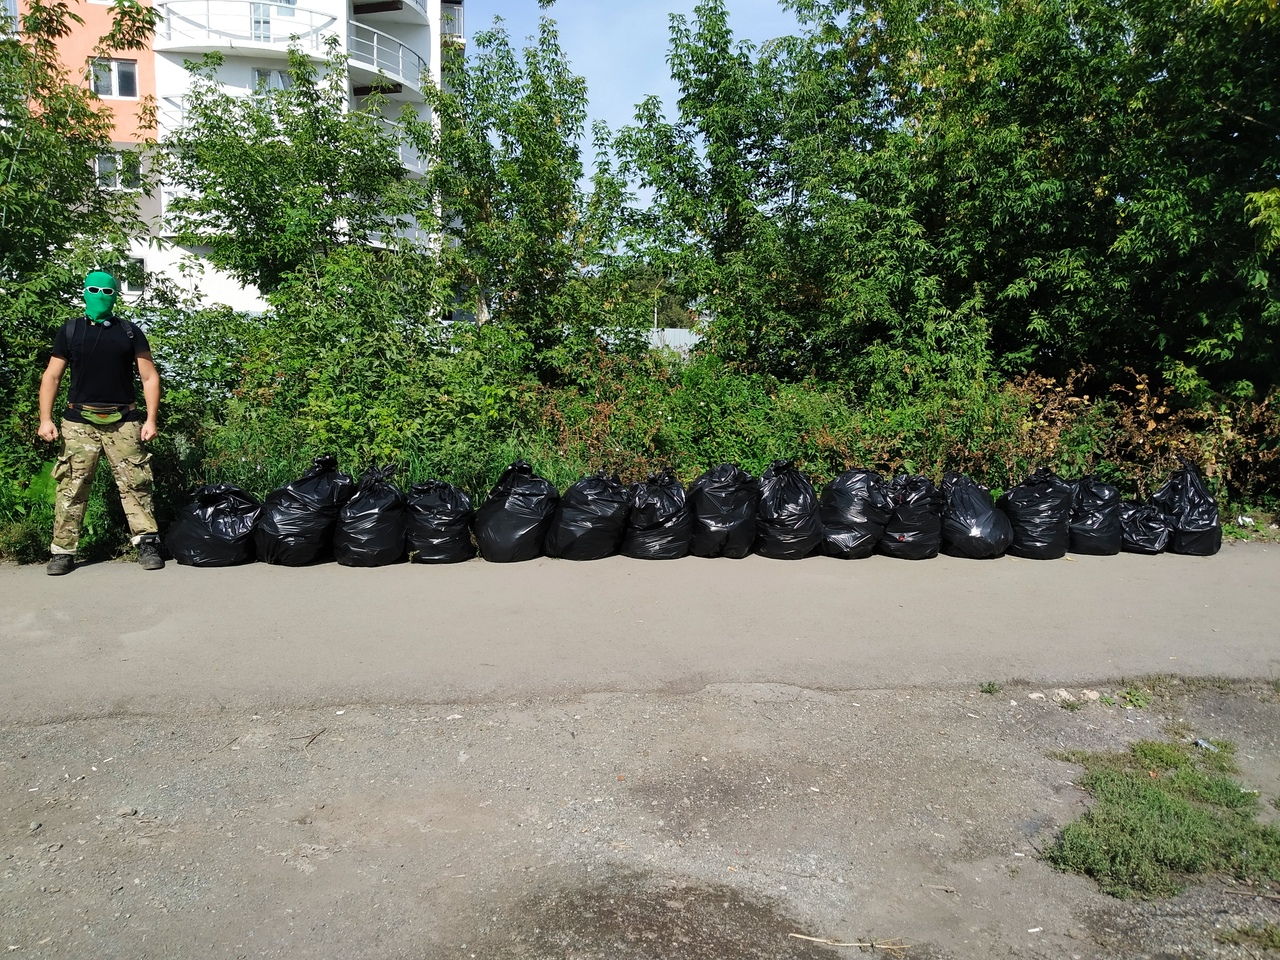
(101, 416)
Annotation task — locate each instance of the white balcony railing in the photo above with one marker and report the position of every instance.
(213, 24)
(169, 114)
(384, 54)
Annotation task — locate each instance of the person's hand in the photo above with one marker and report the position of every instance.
(149, 431)
(48, 431)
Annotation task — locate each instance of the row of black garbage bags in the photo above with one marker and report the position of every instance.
(725, 513)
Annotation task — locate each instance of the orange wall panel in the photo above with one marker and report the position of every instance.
(75, 51)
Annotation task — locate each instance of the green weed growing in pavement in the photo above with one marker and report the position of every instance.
(1163, 813)
(1135, 697)
(990, 688)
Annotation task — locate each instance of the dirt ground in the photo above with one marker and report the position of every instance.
(708, 825)
(687, 812)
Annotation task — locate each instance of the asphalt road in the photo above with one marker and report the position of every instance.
(112, 639)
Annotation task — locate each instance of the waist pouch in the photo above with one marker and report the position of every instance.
(102, 416)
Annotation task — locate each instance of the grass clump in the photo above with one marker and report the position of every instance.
(1162, 813)
(990, 687)
(1265, 936)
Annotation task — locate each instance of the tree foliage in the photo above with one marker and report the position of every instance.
(269, 182)
(525, 244)
(51, 129)
(910, 184)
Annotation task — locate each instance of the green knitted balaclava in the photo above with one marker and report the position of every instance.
(98, 306)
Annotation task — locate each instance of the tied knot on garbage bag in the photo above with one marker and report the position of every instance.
(972, 525)
(724, 502)
(788, 525)
(215, 528)
(914, 530)
(440, 517)
(590, 520)
(659, 524)
(1192, 512)
(1039, 509)
(854, 510)
(372, 525)
(512, 524)
(298, 520)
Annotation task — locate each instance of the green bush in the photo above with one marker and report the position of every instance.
(252, 400)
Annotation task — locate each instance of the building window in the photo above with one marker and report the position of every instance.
(115, 78)
(260, 18)
(132, 276)
(118, 171)
(9, 14)
(271, 79)
(451, 24)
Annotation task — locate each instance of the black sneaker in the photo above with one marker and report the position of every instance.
(149, 553)
(60, 564)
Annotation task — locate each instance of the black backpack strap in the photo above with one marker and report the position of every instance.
(69, 333)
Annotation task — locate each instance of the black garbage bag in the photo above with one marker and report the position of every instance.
(216, 528)
(914, 531)
(512, 524)
(788, 526)
(298, 519)
(439, 523)
(372, 525)
(1095, 519)
(972, 525)
(1040, 510)
(724, 502)
(659, 524)
(1197, 529)
(591, 519)
(854, 510)
(1144, 528)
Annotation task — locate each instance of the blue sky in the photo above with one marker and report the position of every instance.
(619, 46)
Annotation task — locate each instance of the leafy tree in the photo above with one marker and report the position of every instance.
(1265, 204)
(524, 244)
(270, 182)
(1084, 168)
(781, 206)
(910, 186)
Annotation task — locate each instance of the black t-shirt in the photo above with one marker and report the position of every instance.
(102, 360)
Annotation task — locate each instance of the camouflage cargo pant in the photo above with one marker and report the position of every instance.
(83, 444)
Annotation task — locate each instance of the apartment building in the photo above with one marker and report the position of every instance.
(393, 45)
